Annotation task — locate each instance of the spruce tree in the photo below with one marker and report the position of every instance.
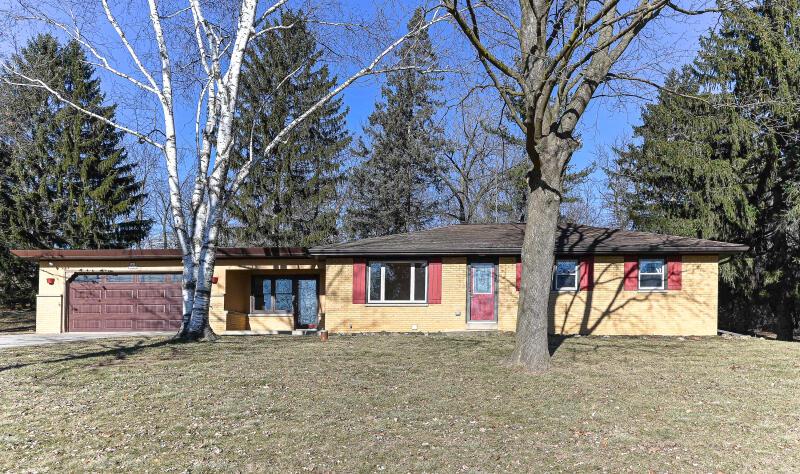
(290, 197)
(95, 185)
(67, 182)
(391, 187)
(720, 160)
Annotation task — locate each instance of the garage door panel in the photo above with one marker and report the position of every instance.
(124, 302)
(118, 324)
(122, 294)
(87, 294)
(152, 309)
(151, 293)
(86, 308)
(174, 293)
(152, 324)
(86, 324)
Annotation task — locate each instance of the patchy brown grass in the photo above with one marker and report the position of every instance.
(17, 321)
(400, 402)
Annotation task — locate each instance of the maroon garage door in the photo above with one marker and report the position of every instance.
(124, 302)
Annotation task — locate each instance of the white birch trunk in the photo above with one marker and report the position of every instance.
(221, 58)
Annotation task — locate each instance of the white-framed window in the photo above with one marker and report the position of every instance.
(397, 282)
(651, 274)
(565, 275)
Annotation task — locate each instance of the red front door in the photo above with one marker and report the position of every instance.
(481, 305)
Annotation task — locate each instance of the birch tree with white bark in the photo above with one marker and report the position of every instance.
(548, 59)
(218, 46)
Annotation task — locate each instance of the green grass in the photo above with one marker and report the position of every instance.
(17, 321)
(400, 402)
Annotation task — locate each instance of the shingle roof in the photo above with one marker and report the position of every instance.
(506, 239)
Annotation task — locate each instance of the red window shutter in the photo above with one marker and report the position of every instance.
(359, 281)
(435, 281)
(674, 279)
(519, 275)
(631, 273)
(587, 273)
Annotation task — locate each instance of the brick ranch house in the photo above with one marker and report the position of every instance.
(455, 278)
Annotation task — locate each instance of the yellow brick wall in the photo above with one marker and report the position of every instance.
(50, 312)
(610, 310)
(270, 323)
(507, 296)
(343, 316)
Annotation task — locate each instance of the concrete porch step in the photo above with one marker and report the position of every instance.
(481, 325)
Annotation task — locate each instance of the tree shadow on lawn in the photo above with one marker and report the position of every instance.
(119, 351)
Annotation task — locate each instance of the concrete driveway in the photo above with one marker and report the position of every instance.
(19, 340)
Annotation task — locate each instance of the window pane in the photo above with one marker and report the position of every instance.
(283, 285)
(87, 279)
(375, 282)
(482, 279)
(397, 281)
(564, 282)
(566, 266)
(283, 294)
(419, 282)
(258, 302)
(266, 292)
(152, 278)
(258, 286)
(119, 278)
(650, 281)
(651, 266)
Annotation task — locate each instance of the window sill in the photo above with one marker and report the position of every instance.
(651, 290)
(571, 290)
(268, 315)
(400, 305)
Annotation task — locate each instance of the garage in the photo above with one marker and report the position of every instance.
(124, 302)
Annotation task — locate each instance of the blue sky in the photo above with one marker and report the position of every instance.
(608, 121)
(668, 44)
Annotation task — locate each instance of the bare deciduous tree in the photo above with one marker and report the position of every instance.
(469, 167)
(547, 59)
(219, 39)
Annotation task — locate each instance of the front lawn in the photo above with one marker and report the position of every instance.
(17, 321)
(400, 402)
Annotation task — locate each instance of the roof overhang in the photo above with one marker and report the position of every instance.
(159, 254)
(722, 250)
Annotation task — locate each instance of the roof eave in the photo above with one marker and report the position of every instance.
(517, 251)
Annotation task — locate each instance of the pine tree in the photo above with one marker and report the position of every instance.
(391, 187)
(720, 160)
(95, 184)
(290, 197)
(67, 182)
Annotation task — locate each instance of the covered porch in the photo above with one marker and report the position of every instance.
(272, 298)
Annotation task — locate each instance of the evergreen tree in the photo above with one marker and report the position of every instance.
(290, 197)
(95, 186)
(391, 187)
(67, 182)
(720, 160)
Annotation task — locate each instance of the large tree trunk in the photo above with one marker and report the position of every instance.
(544, 198)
